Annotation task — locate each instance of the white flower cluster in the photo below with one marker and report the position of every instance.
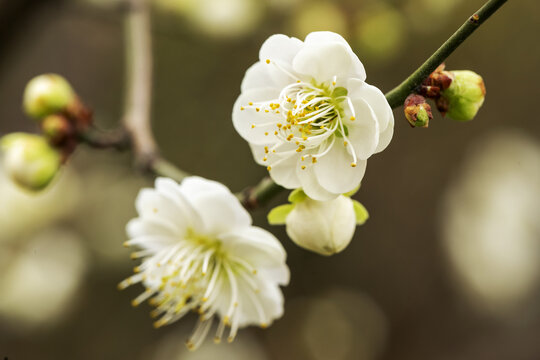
(311, 118)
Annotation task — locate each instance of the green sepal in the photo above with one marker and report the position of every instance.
(353, 191)
(296, 196)
(277, 215)
(361, 213)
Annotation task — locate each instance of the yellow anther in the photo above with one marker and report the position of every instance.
(268, 61)
(302, 158)
(298, 81)
(269, 168)
(242, 108)
(279, 125)
(257, 109)
(253, 126)
(264, 325)
(275, 132)
(345, 143)
(314, 160)
(333, 83)
(303, 167)
(250, 103)
(264, 158)
(266, 110)
(352, 118)
(266, 149)
(266, 133)
(353, 164)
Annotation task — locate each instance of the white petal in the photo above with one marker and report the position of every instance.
(151, 204)
(150, 226)
(374, 97)
(280, 47)
(363, 131)
(255, 245)
(172, 190)
(258, 76)
(328, 36)
(252, 125)
(311, 185)
(323, 61)
(334, 171)
(270, 299)
(284, 173)
(219, 209)
(325, 227)
(386, 135)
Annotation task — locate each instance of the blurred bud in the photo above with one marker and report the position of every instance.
(29, 160)
(417, 111)
(464, 96)
(325, 227)
(46, 94)
(56, 128)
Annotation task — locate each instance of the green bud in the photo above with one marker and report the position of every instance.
(47, 94)
(29, 160)
(465, 95)
(56, 128)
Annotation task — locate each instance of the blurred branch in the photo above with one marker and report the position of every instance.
(138, 99)
(397, 95)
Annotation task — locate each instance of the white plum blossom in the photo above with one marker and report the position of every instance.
(200, 252)
(325, 227)
(309, 116)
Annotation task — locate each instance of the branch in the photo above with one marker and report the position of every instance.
(397, 95)
(138, 99)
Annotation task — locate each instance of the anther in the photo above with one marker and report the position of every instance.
(268, 61)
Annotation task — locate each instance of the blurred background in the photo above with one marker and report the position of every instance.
(447, 267)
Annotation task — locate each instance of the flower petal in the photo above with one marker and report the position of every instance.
(151, 204)
(257, 76)
(334, 171)
(256, 127)
(374, 97)
(323, 61)
(219, 209)
(328, 36)
(280, 47)
(254, 245)
(311, 185)
(284, 172)
(363, 131)
(386, 135)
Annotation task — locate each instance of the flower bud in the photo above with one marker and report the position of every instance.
(324, 227)
(47, 94)
(417, 111)
(464, 96)
(56, 128)
(29, 160)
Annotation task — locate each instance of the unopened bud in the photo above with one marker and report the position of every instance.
(465, 95)
(324, 227)
(47, 94)
(437, 81)
(29, 160)
(56, 128)
(417, 111)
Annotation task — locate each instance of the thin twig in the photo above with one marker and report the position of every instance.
(138, 99)
(397, 95)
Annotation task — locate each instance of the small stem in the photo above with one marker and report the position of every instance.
(138, 99)
(99, 139)
(258, 195)
(162, 167)
(397, 95)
